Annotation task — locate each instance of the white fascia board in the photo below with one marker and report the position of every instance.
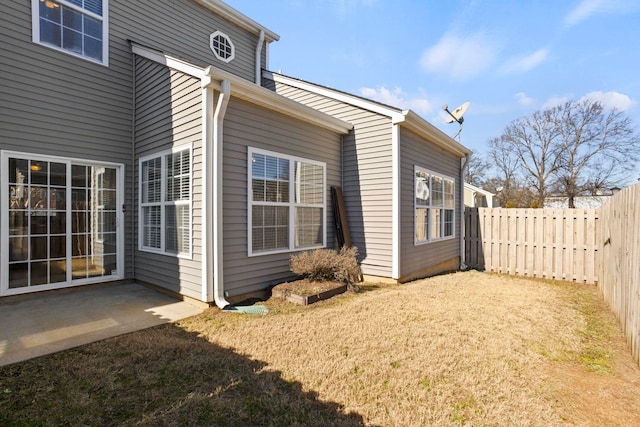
(259, 95)
(230, 14)
(161, 58)
(478, 189)
(406, 118)
(335, 94)
(248, 91)
(417, 124)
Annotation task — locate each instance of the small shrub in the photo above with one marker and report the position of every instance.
(328, 265)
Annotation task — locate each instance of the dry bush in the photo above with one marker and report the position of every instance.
(328, 265)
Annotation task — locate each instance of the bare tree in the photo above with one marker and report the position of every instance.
(476, 170)
(598, 147)
(505, 162)
(533, 140)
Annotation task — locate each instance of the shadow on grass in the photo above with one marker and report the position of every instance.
(159, 376)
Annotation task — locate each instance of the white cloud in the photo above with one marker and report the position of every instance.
(526, 63)
(587, 8)
(524, 100)
(459, 57)
(556, 101)
(611, 99)
(397, 98)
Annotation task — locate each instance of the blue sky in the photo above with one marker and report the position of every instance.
(508, 58)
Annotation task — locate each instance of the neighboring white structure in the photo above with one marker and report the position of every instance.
(476, 197)
(580, 202)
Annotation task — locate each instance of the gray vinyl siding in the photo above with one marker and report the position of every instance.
(415, 151)
(56, 104)
(181, 28)
(248, 125)
(367, 177)
(53, 103)
(168, 114)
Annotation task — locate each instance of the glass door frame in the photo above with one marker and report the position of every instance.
(118, 274)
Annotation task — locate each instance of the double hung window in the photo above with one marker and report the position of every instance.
(287, 203)
(165, 202)
(78, 27)
(434, 206)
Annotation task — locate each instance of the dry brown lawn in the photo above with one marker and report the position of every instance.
(460, 349)
(466, 348)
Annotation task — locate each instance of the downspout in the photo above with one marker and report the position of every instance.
(133, 171)
(212, 189)
(463, 258)
(207, 179)
(258, 58)
(218, 192)
(395, 201)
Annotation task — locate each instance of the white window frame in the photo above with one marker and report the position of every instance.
(164, 203)
(35, 27)
(232, 55)
(291, 204)
(429, 206)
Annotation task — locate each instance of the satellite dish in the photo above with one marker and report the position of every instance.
(456, 115)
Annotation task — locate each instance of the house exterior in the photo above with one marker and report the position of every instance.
(580, 202)
(476, 197)
(137, 142)
(402, 182)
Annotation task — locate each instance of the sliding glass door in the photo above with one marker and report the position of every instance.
(60, 222)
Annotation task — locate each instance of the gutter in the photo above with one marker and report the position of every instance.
(417, 124)
(259, 57)
(247, 90)
(230, 14)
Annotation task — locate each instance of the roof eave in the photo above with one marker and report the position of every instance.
(247, 90)
(238, 18)
(338, 95)
(477, 189)
(259, 95)
(417, 124)
(406, 118)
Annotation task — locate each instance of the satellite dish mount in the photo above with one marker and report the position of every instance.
(456, 116)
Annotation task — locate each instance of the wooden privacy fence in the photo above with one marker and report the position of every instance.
(545, 243)
(581, 245)
(619, 239)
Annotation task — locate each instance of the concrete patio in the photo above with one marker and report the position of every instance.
(42, 323)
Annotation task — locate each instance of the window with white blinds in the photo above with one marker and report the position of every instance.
(287, 203)
(165, 202)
